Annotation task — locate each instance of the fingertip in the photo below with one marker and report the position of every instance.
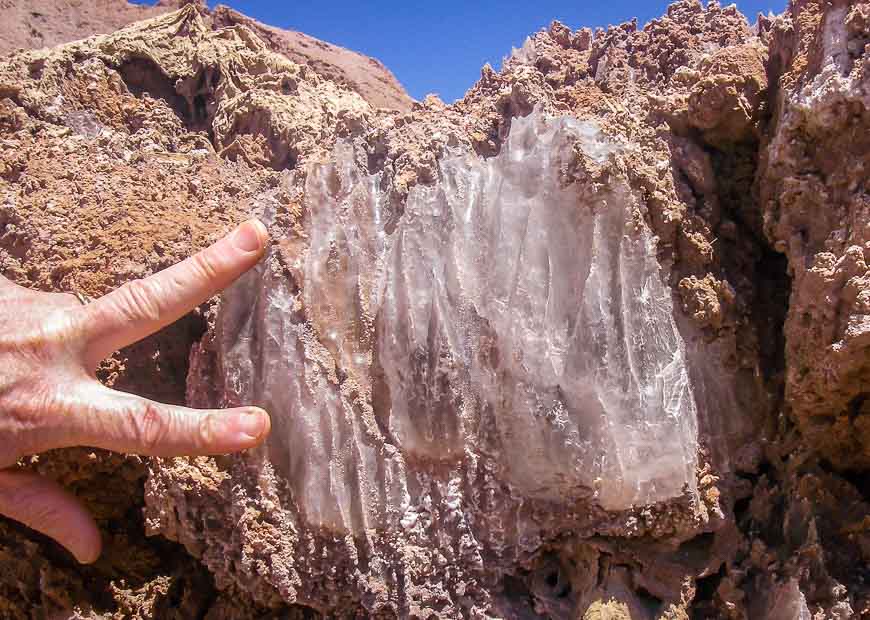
(236, 429)
(91, 547)
(251, 236)
(82, 537)
(255, 424)
(43, 505)
(267, 423)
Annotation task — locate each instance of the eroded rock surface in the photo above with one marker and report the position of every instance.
(503, 347)
(45, 23)
(585, 344)
(814, 193)
(472, 345)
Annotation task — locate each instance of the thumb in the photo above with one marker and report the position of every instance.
(46, 507)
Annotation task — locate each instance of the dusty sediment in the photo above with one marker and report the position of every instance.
(740, 151)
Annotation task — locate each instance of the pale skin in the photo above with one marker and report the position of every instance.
(50, 347)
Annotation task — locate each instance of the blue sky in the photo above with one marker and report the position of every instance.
(440, 46)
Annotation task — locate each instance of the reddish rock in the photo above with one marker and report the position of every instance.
(745, 153)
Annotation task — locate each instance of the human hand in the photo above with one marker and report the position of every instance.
(50, 346)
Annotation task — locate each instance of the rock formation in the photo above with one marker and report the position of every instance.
(588, 343)
(45, 23)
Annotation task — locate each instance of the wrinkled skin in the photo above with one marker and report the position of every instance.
(50, 345)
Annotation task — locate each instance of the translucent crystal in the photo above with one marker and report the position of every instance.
(509, 312)
(545, 308)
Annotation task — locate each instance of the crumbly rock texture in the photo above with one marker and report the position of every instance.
(45, 23)
(589, 343)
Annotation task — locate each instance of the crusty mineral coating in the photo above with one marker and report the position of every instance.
(46, 23)
(524, 402)
(361, 74)
(405, 151)
(813, 190)
(96, 189)
(816, 207)
(748, 163)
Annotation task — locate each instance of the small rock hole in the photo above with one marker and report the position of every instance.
(553, 579)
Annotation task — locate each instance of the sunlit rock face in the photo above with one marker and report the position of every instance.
(513, 312)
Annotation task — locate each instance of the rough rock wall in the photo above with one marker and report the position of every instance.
(45, 23)
(102, 181)
(473, 348)
(815, 209)
(810, 508)
(461, 428)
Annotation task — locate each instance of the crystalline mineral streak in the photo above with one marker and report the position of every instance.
(509, 312)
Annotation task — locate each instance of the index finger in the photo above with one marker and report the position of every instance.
(141, 307)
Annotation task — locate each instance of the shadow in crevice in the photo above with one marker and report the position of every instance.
(746, 253)
(704, 605)
(192, 99)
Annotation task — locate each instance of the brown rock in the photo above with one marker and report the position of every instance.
(813, 190)
(359, 73)
(747, 151)
(45, 23)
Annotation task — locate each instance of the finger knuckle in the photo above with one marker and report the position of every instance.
(26, 410)
(151, 426)
(42, 515)
(205, 267)
(8, 490)
(140, 301)
(206, 434)
(23, 407)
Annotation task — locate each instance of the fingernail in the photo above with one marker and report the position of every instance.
(88, 551)
(87, 556)
(250, 236)
(254, 423)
